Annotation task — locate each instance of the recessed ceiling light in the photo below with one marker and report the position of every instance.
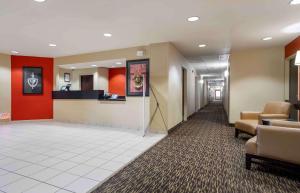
(107, 35)
(295, 2)
(14, 52)
(267, 38)
(192, 19)
(52, 45)
(72, 67)
(202, 45)
(40, 1)
(94, 65)
(118, 63)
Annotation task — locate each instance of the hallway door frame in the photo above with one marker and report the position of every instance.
(184, 94)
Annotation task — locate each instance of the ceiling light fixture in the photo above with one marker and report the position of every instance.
(107, 35)
(118, 63)
(267, 38)
(202, 45)
(14, 52)
(72, 67)
(39, 1)
(192, 19)
(94, 65)
(201, 81)
(295, 2)
(52, 45)
(297, 61)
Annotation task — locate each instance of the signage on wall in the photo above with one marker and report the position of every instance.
(136, 71)
(32, 80)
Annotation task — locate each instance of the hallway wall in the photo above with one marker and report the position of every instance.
(256, 77)
(5, 86)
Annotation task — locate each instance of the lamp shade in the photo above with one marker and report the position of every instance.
(297, 61)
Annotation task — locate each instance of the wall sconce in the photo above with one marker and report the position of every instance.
(297, 60)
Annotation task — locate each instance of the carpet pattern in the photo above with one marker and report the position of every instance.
(201, 155)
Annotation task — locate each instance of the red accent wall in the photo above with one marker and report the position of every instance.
(30, 107)
(292, 47)
(117, 81)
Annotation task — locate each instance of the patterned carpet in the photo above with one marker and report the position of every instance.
(202, 155)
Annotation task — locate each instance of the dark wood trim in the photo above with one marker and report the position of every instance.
(231, 124)
(270, 161)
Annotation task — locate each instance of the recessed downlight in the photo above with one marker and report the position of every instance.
(295, 2)
(39, 1)
(52, 45)
(193, 18)
(267, 38)
(118, 63)
(15, 52)
(202, 45)
(107, 35)
(73, 67)
(94, 65)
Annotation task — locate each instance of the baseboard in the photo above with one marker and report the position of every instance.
(174, 128)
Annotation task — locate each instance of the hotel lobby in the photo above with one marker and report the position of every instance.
(149, 96)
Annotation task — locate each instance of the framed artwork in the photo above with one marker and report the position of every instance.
(67, 77)
(32, 80)
(136, 70)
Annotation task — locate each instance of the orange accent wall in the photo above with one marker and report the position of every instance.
(117, 81)
(292, 47)
(30, 107)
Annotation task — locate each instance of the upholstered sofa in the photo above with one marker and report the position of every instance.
(249, 120)
(277, 143)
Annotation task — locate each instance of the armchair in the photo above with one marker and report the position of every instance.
(277, 143)
(249, 120)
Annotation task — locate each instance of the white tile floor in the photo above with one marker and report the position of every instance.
(48, 157)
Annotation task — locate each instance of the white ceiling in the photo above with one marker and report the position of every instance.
(117, 63)
(77, 26)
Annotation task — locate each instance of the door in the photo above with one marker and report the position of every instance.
(87, 82)
(218, 95)
(293, 88)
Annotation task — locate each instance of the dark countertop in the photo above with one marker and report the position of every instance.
(95, 94)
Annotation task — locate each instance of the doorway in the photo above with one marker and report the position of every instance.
(87, 82)
(217, 95)
(293, 88)
(184, 94)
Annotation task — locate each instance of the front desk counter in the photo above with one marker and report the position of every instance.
(92, 108)
(94, 94)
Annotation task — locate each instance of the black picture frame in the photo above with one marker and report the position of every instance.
(67, 77)
(129, 65)
(32, 80)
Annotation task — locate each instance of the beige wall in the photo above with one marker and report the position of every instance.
(256, 77)
(5, 83)
(100, 78)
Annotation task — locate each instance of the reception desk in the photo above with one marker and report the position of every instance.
(93, 108)
(94, 94)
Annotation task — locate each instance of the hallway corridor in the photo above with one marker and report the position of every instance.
(201, 155)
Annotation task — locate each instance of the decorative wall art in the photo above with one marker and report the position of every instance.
(67, 77)
(32, 80)
(136, 70)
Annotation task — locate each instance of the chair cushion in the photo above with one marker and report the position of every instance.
(251, 146)
(248, 126)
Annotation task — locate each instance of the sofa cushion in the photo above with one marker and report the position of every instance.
(248, 126)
